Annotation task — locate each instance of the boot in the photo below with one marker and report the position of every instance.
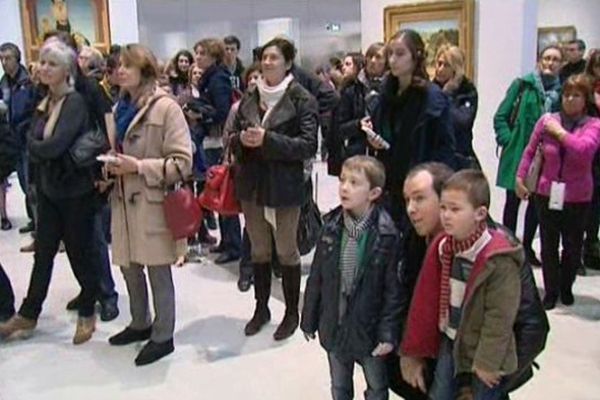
(291, 293)
(262, 292)
(566, 289)
(17, 327)
(85, 328)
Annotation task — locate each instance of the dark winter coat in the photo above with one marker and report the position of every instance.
(273, 174)
(373, 311)
(463, 110)
(21, 103)
(326, 96)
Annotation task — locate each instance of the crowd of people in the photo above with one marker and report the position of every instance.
(411, 278)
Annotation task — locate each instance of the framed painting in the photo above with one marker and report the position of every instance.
(86, 20)
(438, 23)
(555, 35)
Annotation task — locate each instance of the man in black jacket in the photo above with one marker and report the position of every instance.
(422, 189)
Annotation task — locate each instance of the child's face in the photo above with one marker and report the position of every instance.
(356, 194)
(459, 218)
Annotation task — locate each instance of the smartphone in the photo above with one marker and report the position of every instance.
(107, 158)
(374, 136)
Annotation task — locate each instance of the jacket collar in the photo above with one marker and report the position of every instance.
(158, 93)
(384, 223)
(282, 111)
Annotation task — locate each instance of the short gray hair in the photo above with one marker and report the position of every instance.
(63, 55)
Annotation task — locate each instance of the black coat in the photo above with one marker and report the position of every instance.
(373, 311)
(326, 96)
(55, 173)
(273, 174)
(215, 100)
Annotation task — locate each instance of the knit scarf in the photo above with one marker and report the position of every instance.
(125, 113)
(549, 87)
(349, 260)
(450, 248)
(270, 95)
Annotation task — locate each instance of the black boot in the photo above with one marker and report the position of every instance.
(291, 293)
(262, 292)
(567, 278)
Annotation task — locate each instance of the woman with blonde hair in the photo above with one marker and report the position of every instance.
(450, 77)
(65, 195)
(153, 150)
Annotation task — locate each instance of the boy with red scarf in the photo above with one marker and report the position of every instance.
(467, 297)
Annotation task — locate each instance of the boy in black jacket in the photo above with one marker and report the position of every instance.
(352, 296)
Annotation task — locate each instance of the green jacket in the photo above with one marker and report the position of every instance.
(513, 141)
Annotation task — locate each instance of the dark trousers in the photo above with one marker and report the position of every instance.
(107, 291)
(7, 296)
(566, 225)
(231, 237)
(342, 370)
(511, 213)
(23, 176)
(71, 220)
(593, 222)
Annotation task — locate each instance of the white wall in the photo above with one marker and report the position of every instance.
(123, 21)
(583, 14)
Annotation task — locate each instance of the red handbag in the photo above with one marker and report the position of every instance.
(219, 191)
(182, 212)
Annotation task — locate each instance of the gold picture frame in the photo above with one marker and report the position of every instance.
(437, 22)
(555, 35)
(87, 20)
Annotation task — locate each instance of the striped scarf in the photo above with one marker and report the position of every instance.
(450, 248)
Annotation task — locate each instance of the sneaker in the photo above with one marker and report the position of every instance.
(5, 224)
(153, 351)
(17, 327)
(85, 329)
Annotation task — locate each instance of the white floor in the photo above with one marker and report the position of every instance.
(214, 358)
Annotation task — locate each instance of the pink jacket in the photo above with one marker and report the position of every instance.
(580, 146)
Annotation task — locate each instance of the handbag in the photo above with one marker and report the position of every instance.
(182, 212)
(219, 191)
(535, 169)
(309, 223)
(88, 146)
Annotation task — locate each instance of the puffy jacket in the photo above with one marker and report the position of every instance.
(273, 174)
(21, 102)
(373, 311)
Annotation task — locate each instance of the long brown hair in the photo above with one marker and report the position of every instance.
(141, 57)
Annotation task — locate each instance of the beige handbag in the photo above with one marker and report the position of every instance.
(535, 169)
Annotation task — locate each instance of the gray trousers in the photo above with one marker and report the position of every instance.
(163, 296)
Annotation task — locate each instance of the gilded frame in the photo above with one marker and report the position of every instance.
(458, 12)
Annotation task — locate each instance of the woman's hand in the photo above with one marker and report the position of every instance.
(366, 123)
(253, 137)
(554, 129)
(125, 165)
(521, 190)
(382, 349)
(490, 379)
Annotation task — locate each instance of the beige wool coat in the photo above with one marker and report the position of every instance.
(139, 231)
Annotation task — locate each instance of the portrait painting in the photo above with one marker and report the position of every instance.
(86, 20)
(439, 23)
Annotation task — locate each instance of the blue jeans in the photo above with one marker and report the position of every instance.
(342, 371)
(231, 236)
(445, 386)
(102, 238)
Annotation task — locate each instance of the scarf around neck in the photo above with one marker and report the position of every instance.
(352, 239)
(124, 113)
(270, 95)
(549, 87)
(450, 248)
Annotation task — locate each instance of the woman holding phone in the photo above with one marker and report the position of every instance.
(275, 131)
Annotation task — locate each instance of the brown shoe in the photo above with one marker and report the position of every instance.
(17, 327)
(85, 329)
(30, 248)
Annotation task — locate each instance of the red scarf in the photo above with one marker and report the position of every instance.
(449, 249)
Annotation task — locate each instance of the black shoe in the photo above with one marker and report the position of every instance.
(244, 283)
(5, 224)
(581, 270)
(108, 310)
(532, 258)
(5, 316)
(128, 335)
(566, 296)
(549, 302)
(153, 351)
(226, 257)
(74, 304)
(30, 227)
(217, 249)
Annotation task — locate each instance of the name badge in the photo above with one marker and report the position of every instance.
(557, 196)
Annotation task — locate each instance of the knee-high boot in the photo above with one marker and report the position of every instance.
(262, 292)
(291, 293)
